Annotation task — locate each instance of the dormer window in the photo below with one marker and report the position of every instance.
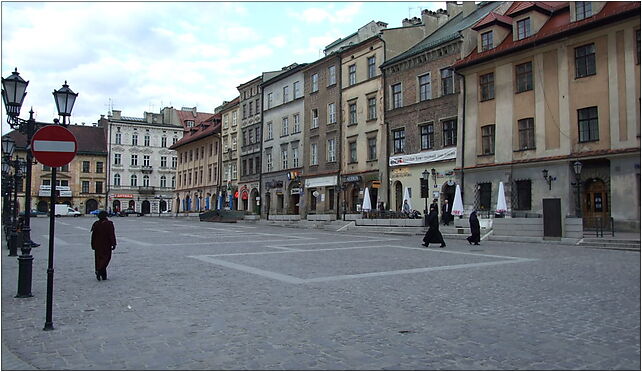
(190, 123)
(583, 9)
(487, 40)
(523, 28)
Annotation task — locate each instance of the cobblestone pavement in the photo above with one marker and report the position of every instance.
(192, 295)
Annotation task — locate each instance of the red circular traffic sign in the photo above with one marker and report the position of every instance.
(54, 145)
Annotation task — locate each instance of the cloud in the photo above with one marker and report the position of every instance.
(328, 14)
(278, 41)
(238, 33)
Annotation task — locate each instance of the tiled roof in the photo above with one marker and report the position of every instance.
(493, 18)
(90, 139)
(197, 117)
(208, 127)
(520, 7)
(449, 31)
(558, 26)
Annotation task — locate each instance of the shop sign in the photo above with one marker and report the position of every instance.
(295, 190)
(352, 179)
(321, 181)
(126, 196)
(424, 157)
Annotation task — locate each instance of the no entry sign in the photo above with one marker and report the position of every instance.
(54, 145)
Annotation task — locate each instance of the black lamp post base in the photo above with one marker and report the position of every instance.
(24, 276)
(48, 327)
(13, 244)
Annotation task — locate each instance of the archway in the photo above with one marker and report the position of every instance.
(145, 208)
(178, 204)
(163, 205)
(116, 205)
(43, 206)
(398, 187)
(255, 205)
(132, 205)
(245, 195)
(91, 205)
(294, 198)
(595, 206)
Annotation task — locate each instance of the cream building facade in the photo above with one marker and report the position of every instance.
(230, 123)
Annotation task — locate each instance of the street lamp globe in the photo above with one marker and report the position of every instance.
(14, 90)
(5, 168)
(425, 174)
(23, 167)
(577, 168)
(8, 146)
(65, 99)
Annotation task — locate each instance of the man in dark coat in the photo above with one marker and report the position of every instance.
(445, 212)
(475, 234)
(103, 241)
(433, 235)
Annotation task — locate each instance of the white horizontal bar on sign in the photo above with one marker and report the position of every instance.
(54, 146)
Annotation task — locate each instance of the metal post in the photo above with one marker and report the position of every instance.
(50, 270)
(13, 237)
(26, 230)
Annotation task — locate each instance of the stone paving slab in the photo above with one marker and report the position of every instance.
(497, 306)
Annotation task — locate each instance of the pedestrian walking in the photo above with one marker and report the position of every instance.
(475, 234)
(103, 241)
(434, 204)
(433, 235)
(445, 212)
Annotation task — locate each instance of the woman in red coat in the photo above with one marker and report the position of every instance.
(103, 241)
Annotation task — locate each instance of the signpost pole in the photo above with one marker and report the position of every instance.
(50, 270)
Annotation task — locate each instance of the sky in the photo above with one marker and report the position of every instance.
(143, 56)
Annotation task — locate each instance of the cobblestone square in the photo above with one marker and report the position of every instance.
(184, 294)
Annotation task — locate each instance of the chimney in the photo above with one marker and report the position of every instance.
(115, 114)
(452, 8)
(414, 21)
(469, 8)
(433, 20)
(148, 117)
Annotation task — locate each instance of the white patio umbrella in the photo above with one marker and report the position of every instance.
(406, 196)
(458, 204)
(501, 199)
(367, 206)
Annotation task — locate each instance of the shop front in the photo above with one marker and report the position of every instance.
(283, 193)
(322, 195)
(353, 187)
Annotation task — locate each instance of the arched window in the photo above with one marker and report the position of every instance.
(116, 179)
(146, 180)
(163, 181)
(173, 181)
(134, 180)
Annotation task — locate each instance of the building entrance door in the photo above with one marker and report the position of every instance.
(145, 207)
(595, 207)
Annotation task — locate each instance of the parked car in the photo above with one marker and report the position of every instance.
(127, 212)
(33, 213)
(95, 212)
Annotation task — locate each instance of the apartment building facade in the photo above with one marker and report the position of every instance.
(250, 133)
(229, 153)
(552, 111)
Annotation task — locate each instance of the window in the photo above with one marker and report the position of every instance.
(284, 127)
(234, 171)
(190, 123)
(258, 106)
(134, 159)
(314, 158)
(134, 139)
(588, 124)
(146, 140)
(163, 161)
(526, 129)
(487, 86)
(582, 10)
(268, 161)
(352, 108)
(145, 181)
(332, 113)
(425, 90)
(297, 124)
(487, 40)
(372, 68)
(450, 133)
(234, 119)
(427, 136)
(244, 167)
(396, 96)
(85, 187)
(249, 106)
(99, 187)
(331, 148)
(523, 28)
(269, 131)
(399, 139)
(133, 180)
(332, 75)
(146, 161)
(234, 143)
(315, 118)
(284, 158)
(174, 140)
(484, 195)
(116, 179)
(372, 148)
(269, 100)
(524, 77)
(352, 74)
(119, 138)
(163, 181)
(585, 61)
(523, 197)
(244, 111)
(352, 146)
(372, 108)
(296, 90)
(295, 157)
(447, 82)
(488, 139)
(85, 166)
(173, 181)
(117, 159)
(174, 162)
(315, 82)
(286, 93)
(99, 167)
(163, 141)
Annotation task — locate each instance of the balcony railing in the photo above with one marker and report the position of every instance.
(146, 169)
(146, 189)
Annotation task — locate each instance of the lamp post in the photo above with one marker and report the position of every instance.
(548, 178)
(577, 169)
(425, 190)
(8, 147)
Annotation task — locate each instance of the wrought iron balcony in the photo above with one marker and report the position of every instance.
(146, 189)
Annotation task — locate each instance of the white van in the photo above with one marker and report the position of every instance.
(65, 210)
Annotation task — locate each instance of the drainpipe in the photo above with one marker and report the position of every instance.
(463, 126)
(340, 144)
(263, 202)
(386, 128)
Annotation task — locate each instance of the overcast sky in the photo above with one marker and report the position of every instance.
(143, 56)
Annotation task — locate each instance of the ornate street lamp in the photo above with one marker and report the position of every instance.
(548, 178)
(577, 169)
(8, 146)
(14, 90)
(65, 99)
